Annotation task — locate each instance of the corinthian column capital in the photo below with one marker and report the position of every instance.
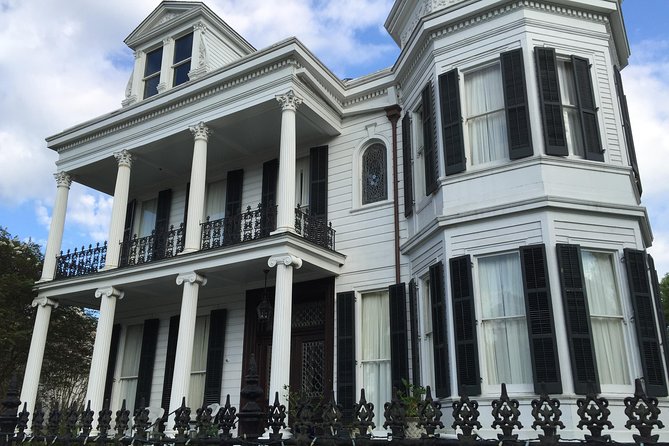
(123, 158)
(286, 259)
(289, 101)
(200, 131)
(63, 179)
(191, 277)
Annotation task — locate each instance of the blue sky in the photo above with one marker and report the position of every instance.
(65, 62)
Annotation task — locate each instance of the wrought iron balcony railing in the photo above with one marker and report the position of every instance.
(250, 225)
(157, 246)
(314, 229)
(81, 262)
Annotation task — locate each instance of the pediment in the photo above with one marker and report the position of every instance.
(166, 16)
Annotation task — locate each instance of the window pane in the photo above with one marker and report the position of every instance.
(151, 86)
(374, 185)
(216, 200)
(130, 365)
(183, 48)
(504, 327)
(181, 73)
(572, 120)
(376, 347)
(154, 60)
(148, 218)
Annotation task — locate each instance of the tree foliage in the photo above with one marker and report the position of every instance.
(664, 294)
(71, 332)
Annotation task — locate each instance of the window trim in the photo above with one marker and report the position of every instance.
(174, 65)
(153, 75)
(358, 170)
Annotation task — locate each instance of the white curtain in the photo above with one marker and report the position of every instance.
(606, 317)
(199, 363)
(215, 201)
(486, 119)
(130, 365)
(504, 327)
(148, 218)
(375, 335)
(570, 113)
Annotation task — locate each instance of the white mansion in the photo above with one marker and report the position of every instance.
(467, 217)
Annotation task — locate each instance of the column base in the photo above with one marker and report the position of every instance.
(282, 230)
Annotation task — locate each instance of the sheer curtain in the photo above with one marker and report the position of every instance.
(130, 366)
(375, 336)
(215, 200)
(198, 371)
(147, 221)
(504, 327)
(606, 317)
(486, 120)
(569, 99)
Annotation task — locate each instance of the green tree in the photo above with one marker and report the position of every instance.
(664, 294)
(71, 333)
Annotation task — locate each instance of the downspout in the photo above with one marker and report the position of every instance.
(393, 115)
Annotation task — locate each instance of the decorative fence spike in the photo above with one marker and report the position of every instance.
(140, 422)
(182, 419)
(332, 416)
(37, 426)
(303, 423)
(466, 417)
(122, 420)
(363, 416)
(506, 413)
(594, 414)
(71, 422)
(104, 420)
(22, 422)
(276, 416)
(395, 415)
(546, 413)
(86, 421)
(643, 413)
(429, 414)
(53, 422)
(226, 419)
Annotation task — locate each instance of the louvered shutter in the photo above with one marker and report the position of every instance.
(540, 325)
(587, 109)
(146, 359)
(270, 177)
(551, 103)
(430, 157)
(659, 309)
(644, 321)
(318, 182)
(111, 362)
(127, 231)
(170, 357)
(451, 123)
(215, 350)
(627, 127)
(515, 103)
(406, 165)
(346, 390)
(464, 317)
(413, 318)
(185, 218)
(577, 315)
(162, 223)
(399, 341)
(233, 207)
(439, 332)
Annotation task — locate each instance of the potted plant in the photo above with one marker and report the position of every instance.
(411, 396)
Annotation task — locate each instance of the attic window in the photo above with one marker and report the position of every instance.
(152, 72)
(183, 49)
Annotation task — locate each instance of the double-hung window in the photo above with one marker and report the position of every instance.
(198, 370)
(183, 49)
(130, 365)
(154, 60)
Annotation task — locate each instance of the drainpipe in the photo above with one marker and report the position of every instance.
(393, 115)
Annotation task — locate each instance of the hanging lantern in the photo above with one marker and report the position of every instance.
(264, 309)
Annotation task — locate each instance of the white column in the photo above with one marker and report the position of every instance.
(198, 184)
(182, 368)
(119, 208)
(100, 360)
(36, 353)
(283, 307)
(287, 149)
(166, 72)
(53, 244)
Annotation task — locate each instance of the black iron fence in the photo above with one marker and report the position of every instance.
(81, 262)
(159, 245)
(314, 229)
(250, 225)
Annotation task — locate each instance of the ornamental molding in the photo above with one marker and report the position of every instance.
(63, 179)
(192, 278)
(109, 291)
(289, 101)
(286, 260)
(123, 158)
(43, 302)
(200, 26)
(200, 131)
(159, 112)
(167, 41)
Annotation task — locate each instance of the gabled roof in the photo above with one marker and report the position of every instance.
(172, 14)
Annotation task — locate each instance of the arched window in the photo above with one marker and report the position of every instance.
(374, 174)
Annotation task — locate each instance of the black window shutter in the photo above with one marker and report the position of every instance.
(587, 108)
(551, 105)
(406, 165)
(399, 341)
(129, 220)
(644, 321)
(233, 207)
(162, 223)
(170, 357)
(430, 157)
(464, 317)
(451, 123)
(146, 360)
(413, 320)
(627, 127)
(577, 315)
(540, 325)
(214, 377)
(442, 381)
(515, 103)
(659, 309)
(186, 204)
(111, 363)
(270, 176)
(346, 353)
(318, 182)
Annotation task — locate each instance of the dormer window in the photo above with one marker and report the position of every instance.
(152, 72)
(183, 50)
